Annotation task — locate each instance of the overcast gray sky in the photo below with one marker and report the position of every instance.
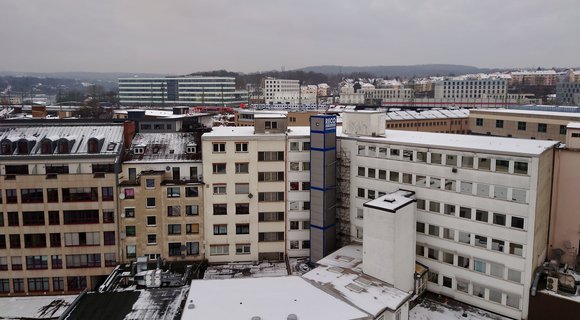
(245, 35)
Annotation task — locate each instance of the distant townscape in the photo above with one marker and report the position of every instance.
(322, 193)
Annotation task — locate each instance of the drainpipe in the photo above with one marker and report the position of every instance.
(286, 194)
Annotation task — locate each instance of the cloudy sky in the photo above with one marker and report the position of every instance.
(176, 36)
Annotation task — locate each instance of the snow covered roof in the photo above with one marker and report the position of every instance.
(266, 298)
(273, 115)
(391, 202)
(41, 307)
(340, 274)
(171, 146)
(573, 125)
(518, 112)
(76, 137)
(427, 114)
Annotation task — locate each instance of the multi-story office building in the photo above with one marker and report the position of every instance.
(568, 93)
(444, 121)
(281, 91)
(534, 78)
(463, 88)
(482, 205)
(161, 198)
(191, 90)
(58, 217)
(528, 124)
(244, 171)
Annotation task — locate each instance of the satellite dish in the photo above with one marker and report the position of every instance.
(121, 196)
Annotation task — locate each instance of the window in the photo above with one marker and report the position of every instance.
(38, 284)
(270, 216)
(241, 147)
(222, 249)
(58, 284)
(31, 196)
(464, 237)
(83, 260)
(131, 251)
(513, 300)
(270, 176)
(79, 194)
(242, 188)
(220, 209)
(243, 228)
(517, 222)
(433, 230)
(371, 173)
(465, 212)
(483, 164)
(11, 196)
(448, 234)
(434, 206)
(191, 192)
(52, 195)
(481, 241)
(479, 122)
(54, 240)
(294, 166)
(219, 147)
(447, 282)
(242, 208)
(436, 158)
(129, 193)
(502, 165)
(173, 211)
(173, 192)
(433, 253)
(451, 160)
(109, 238)
(294, 225)
(514, 275)
(192, 228)
(467, 162)
(305, 166)
(462, 285)
(32, 218)
(130, 212)
(191, 210)
(562, 129)
(519, 195)
(271, 125)
(542, 127)
(18, 285)
(395, 152)
(294, 146)
(130, 231)
(294, 244)
(219, 168)
(521, 126)
(173, 229)
(220, 229)
(271, 156)
(433, 277)
(242, 167)
(420, 227)
(270, 236)
(448, 257)
(463, 262)
(15, 241)
(306, 145)
(150, 183)
(151, 220)
(270, 196)
(36, 262)
(520, 167)
(219, 188)
(481, 215)
(192, 248)
(421, 156)
(479, 265)
(305, 185)
(174, 249)
(35, 240)
(13, 220)
(516, 249)
(151, 239)
(499, 124)
(150, 202)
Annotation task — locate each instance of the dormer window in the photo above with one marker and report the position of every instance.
(6, 147)
(46, 147)
(93, 145)
(138, 150)
(63, 147)
(191, 149)
(23, 147)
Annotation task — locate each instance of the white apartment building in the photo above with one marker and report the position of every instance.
(244, 171)
(482, 205)
(298, 177)
(465, 88)
(281, 91)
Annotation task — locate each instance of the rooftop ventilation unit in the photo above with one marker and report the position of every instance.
(552, 284)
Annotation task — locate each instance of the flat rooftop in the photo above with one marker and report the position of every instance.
(391, 202)
(41, 307)
(519, 112)
(267, 298)
(340, 275)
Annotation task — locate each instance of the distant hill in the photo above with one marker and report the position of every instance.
(91, 76)
(399, 71)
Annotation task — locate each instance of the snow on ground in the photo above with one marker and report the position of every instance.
(575, 298)
(159, 303)
(429, 309)
(41, 307)
(245, 270)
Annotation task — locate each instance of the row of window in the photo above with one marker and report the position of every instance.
(295, 166)
(39, 218)
(55, 240)
(175, 249)
(464, 187)
(172, 229)
(295, 146)
(42, 284)
(299, 224)
(171, 192)
(295, 244)
(47, 146)
(453, 160)
(296, 205)
(52, 195)
(475, 240)
(477, 290)
(469, 213)
(521, 125)
(423, 124)
(41, 262)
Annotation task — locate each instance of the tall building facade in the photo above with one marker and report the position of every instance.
(568, 93)
(483, 206)
(281, 91)
(490, 88)
(58, 217)
(192, 90)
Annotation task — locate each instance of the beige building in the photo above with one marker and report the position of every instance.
(443, 121)
(161, 198)
(58, 217)
(528, 124)
(245, 191)
(565, 221)
(299, 118)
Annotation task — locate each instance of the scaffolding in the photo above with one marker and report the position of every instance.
(343, 199)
